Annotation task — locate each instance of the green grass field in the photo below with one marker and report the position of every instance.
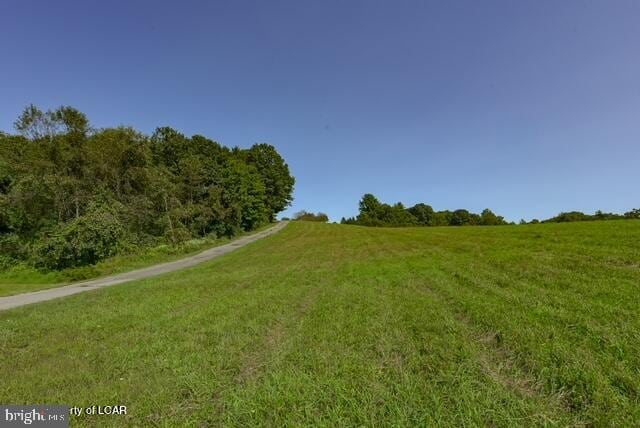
(342, 326)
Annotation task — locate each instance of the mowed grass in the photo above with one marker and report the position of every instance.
(333, 325)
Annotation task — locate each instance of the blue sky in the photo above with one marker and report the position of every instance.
(528, 107)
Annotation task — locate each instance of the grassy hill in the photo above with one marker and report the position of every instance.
(344, 325)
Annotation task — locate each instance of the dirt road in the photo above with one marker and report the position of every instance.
(79, 287)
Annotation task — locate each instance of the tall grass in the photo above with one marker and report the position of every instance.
(330, 325)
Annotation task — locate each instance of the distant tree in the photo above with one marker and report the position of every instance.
(460, 217)
(372, 212)
(571, 216)
(443, 218)
(369, 204)
(424, 214)
(399, 216)
(488, 218)
(348, 220)
(309, 216)
(322, 217)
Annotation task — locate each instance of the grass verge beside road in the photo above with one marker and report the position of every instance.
(24, 278)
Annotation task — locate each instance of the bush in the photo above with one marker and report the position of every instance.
(307, 216)
(11, 247)
(83, 241)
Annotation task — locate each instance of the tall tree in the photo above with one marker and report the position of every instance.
(276, 176)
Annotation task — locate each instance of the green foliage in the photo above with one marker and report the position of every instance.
(275, 174)
(424, 214)
(488, 218)
(375, 213)
(308, 216)
(369, 204)
(460, 218)
(4, 215)
(168, 187)
(569, 217)
(11, 249)
(94, 236)
(634, 213)
(566, 217)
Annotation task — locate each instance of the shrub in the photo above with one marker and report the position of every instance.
(11, 246)
(307, 216)
(83, 241)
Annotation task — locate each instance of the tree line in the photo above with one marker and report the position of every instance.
(572, 216)
(71, 195)
(372, 212)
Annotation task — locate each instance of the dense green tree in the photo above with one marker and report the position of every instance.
(309, 216)
(369, 204)
(443, 218)
(424, 214)
(460, 217)
(163, 188)
(488, 218)
(568, 217)
(396, 215)
(372, 212)
(571, 216)
(275, 175)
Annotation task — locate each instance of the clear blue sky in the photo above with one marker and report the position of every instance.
(526, 107)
